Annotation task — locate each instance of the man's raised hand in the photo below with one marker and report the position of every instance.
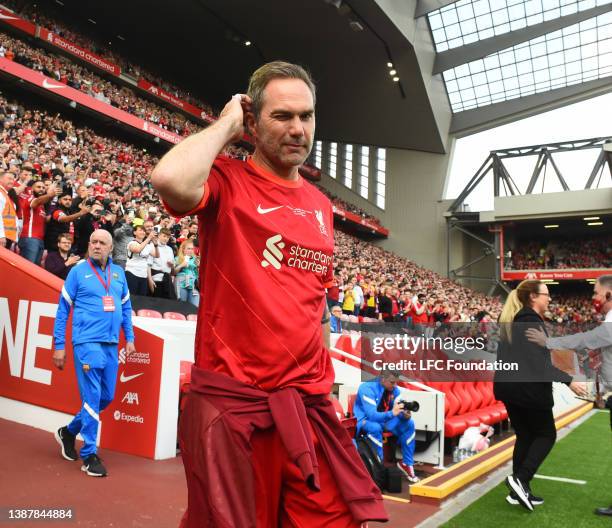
(235, 111)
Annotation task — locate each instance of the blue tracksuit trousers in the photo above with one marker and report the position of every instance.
(97, 389)
(402, 429)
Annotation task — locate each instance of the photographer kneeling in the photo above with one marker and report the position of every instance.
(378, 409)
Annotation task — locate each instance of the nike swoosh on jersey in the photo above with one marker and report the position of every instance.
(123, 378)
(261, 210)
(88, 276)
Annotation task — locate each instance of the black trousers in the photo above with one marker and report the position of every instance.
(535, 437)
(136, 285)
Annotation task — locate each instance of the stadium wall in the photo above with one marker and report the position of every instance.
(414, 211)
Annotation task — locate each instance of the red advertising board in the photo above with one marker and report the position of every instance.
(338, 211)
(10, 18)
(77, 51)
(173, 100)
(28, 304)
(560, 274)
(71, 94)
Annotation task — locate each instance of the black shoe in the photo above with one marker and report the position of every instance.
(66, 440)
(92, 465)
(604, 511)
(516, 486)
(513, 499)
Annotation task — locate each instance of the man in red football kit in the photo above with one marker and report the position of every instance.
(258, 434)
(31, 242)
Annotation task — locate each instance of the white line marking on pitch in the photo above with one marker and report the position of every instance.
(561, 479)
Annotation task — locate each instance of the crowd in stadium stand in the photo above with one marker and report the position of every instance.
(33, 13)
(339, 202)
(80, 78)
(592, 252)
(572, 308)
(378, 284)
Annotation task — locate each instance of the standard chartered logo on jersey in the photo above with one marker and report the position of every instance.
(300, 257)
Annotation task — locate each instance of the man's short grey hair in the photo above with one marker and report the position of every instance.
(275, 70)
(104, 232)
(605, 281)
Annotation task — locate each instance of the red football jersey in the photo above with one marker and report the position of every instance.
(266, 248)
(33, 220)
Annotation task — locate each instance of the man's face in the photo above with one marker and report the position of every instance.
(163, 239)
(100, 246)
(65, 201)
(38, 189)
(148, 226)
(336, 311)
(193, 229)
(64, 244)
(285, 128)
(389, 382)
(599, 293)
(82, 192)
(6, 180)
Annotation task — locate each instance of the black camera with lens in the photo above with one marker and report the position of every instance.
(411, 406)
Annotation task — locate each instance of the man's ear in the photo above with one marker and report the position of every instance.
(250, 124)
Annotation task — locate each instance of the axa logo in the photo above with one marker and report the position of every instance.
(273, 255)
(122, 356)
(154, 90)
(130, 398)
(531, 276)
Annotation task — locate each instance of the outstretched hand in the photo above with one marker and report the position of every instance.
(537, 336)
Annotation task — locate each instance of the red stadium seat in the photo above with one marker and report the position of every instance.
(175, 316)
(192, 317)
(153, 314)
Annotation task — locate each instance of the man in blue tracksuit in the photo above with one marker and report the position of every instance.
(377, 409)
(97, 291)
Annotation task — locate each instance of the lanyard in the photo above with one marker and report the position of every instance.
(104, 285)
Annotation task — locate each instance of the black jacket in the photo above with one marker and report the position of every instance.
(531, 385)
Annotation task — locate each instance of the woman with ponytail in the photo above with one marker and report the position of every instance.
(527, 393)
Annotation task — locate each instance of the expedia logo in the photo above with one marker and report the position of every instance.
(273, 254)
(130, 418)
